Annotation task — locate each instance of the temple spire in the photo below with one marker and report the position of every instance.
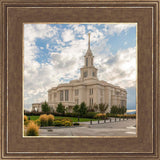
(89, 52)
(89, 41)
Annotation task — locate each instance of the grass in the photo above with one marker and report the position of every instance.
(74, 119)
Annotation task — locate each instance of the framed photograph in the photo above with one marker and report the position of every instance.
(79, 102)
(80, 79)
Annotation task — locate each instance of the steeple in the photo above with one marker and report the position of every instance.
(88, 71)
(89, 52)
(88, 41)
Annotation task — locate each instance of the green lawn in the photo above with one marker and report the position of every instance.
(74, 119)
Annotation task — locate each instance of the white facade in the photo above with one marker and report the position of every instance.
(87, 89)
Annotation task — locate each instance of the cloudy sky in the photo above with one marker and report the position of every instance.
(53, 54)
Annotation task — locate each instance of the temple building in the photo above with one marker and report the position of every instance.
(86, 89)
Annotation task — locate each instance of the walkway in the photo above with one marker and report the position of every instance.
(118, 128)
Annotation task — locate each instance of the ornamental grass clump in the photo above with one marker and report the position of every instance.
(37, 122)
(32, 129)
(68, 123)
(50, 119)
(43, 120)
(26, 121)
(25, 118)
(62, 122)
(100, 116)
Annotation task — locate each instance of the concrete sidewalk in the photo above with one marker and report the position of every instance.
(120, 128)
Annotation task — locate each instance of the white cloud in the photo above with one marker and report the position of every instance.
(66, 61)
(34, 81)
(67, 35)
(118, 28)
(79, 29)
(118, 69)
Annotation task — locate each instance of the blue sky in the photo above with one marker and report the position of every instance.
(53, 54)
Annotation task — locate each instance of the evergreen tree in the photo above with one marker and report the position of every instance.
(82, 109)
(60, 108)
(76, 108)
(45, 107)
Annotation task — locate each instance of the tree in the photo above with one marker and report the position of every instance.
(82, 109)
(95, 107)
(60, 108)
(118, 110)
(123, 110)
(45, 107)
(114, 110)
(103, 107)
(76, 108)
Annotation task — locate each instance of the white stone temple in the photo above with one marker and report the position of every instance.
(86, 89)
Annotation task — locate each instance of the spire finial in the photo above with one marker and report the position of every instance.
(88, 40)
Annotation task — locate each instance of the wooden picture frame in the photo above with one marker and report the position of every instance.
(146, 145)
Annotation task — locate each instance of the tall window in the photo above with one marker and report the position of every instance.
(91, 101)
(86, 61)
(61, 95)
(85, 74)
(91, 91)
(76, 92)
(93, 74)
(66, 95)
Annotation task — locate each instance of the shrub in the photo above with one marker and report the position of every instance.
(75, 115)
(50, 119)
(32, 129)
(34, 113)
(67, 123)
(25, 118)
(58, 123)
(62, 122)
(60, 108)
(37, 122)
(90, 115)
(121, 115)
(57, 114)
(26, 122)
(100, 116)
(110, 115)
(43, 120)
